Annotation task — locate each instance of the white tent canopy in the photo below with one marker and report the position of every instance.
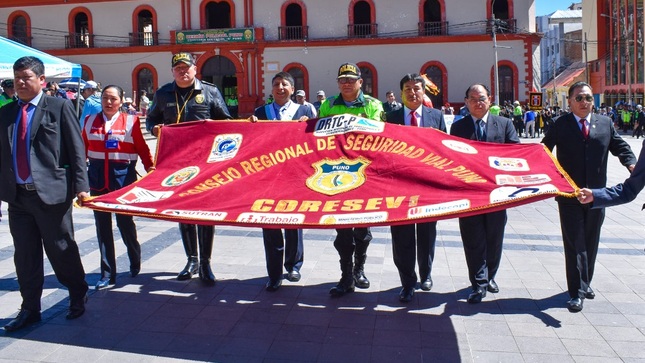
(54, 67)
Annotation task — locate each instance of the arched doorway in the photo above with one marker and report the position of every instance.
(220, 71)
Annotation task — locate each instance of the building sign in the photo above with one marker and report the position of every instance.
(214, 36)
(535, 100)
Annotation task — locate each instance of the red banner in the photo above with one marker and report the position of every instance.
(341, 170)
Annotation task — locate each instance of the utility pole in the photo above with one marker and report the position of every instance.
(584, 48)
(494, 30)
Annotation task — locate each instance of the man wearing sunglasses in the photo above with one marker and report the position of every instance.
(583, 141)
(351, 241)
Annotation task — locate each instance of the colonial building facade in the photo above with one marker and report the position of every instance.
(241, 44)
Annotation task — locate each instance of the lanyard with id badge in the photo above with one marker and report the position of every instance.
(111, 142)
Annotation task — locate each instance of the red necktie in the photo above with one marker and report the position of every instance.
(413, 119)
(21, 144)
(585, 128)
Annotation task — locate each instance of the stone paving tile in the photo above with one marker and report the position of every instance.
(580, 346)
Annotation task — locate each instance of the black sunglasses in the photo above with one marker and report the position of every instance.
(587, 98)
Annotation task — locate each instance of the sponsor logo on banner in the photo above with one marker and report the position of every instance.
(130, 208)
(459, 146)
(140, 195)
(371, 217)
(196, 214)
(504, 194)
(181, 176)
(532, 179)
(438, 209)
(508, 164)
(342, 124)
(271, 218)
(225, 147)
(337, 176)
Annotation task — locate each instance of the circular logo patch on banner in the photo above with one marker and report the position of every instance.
(180, 177)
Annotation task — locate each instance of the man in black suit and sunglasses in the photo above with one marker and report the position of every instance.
(583, 141)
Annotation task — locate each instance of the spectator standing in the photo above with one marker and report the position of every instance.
(529, 123)
(8, 93)
(391, 103)
(144, 103)
(189, 99)
(301, 98)
(92, 104)
(351, 243)
(113, 142)
(320, 97)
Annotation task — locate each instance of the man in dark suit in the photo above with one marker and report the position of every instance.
(42, 169)
(483, 234)
(583, 141)
(278, 247)
(391, 104)
(416, 240)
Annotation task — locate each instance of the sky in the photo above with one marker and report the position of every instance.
(545, 7)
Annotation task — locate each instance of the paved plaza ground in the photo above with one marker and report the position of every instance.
(155, 318)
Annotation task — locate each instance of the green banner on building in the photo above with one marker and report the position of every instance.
(214, 36)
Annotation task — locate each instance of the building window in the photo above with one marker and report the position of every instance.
(145, 81)
(81, 33)
(503, 10)
(432, 23)
(369, 75)
(20, 30)
(300, 76)
(436, 76)
(218, 15)
(506, 85)
(293, 23)
(145, 29)
(362, 22)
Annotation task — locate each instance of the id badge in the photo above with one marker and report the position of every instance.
(111, 144)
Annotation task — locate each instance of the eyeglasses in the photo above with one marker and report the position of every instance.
(477, 100)
(587, 98)
(347, 80)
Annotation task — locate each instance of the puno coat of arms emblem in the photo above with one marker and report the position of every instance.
(337, 176)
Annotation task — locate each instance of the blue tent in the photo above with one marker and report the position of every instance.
(54, 67)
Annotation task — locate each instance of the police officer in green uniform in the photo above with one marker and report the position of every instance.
(351, 243)
(8, 95)
(189, 99)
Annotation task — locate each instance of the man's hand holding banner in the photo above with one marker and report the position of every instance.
(341, 170)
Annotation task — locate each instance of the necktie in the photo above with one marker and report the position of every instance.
(585, 128)
(479, 130)
(413, 119)
(21, 144)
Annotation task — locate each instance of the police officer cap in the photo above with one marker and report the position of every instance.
(183, 57)
(349, 70)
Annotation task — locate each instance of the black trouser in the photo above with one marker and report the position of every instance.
(483, 236)
(352, 241)
(580, 226)
(35, 225)
(410, 241)
(276, 248)
(128, 230)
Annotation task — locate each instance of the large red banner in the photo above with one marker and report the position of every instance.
(337, 171)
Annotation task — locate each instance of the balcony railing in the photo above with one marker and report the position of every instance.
(144, 38)
(79, 40)
(433, 28)
(503, 25)
(293, 32)
(362, 30)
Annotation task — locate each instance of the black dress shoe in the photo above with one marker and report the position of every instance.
(476, 296)
(426, 285)
(104, 282)
(134, 272)
(590, 294)
(273, 285)
(206, 274)
(189, 270)
(24, 319)
(76, 308)
(492, 287)
(406, 294)
(294, 276)
(574, 305)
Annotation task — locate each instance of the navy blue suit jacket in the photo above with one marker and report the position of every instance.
(498, 129)
(429, 118)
